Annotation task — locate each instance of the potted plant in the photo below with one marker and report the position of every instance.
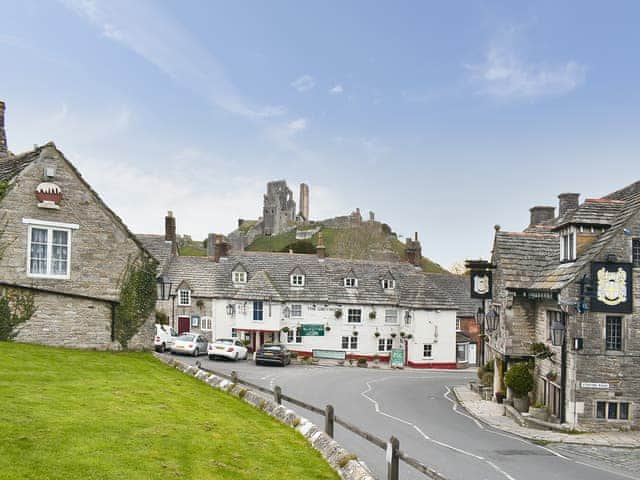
(538, 410)
(338, 313)
(285, 329)
(376, 334)
(372, 315)
(410, 336)
(402, 334)
(362, 363)
(327, 328)
(519, 379)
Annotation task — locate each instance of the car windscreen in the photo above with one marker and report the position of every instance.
(187, 338)
(272, 348)
(224, 341)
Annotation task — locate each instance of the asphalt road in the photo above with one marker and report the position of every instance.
(418, 408)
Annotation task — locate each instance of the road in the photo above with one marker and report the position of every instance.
(418, 408)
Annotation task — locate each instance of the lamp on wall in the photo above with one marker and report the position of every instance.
(230, 309)
(164, 287)
(492, 319)
(558, 333)
(286, 311)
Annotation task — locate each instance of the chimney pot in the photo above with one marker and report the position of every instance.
(170, 231)
(567, 202)
(541, 214)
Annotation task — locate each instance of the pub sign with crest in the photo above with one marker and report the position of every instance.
(481, 284)
(612, 287)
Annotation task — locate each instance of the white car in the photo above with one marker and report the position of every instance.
(190, 344)
(227, 347)
(163, 340)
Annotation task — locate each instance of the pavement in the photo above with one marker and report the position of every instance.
(419, 408)
(493, 414)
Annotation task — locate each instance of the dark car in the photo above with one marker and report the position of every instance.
(273, 353)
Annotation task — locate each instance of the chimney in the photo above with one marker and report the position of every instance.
(4, 152)
(413, 251)
(321, 250)
(540, 215)
(567, 202)
(170, 231)
(217, 247)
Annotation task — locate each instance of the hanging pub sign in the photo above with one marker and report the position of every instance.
(481, 284)
(612, 287)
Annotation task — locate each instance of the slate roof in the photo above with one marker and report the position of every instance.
(459, 288)
(531, 260)
(13, 164)
(157, 246)
(268, 276)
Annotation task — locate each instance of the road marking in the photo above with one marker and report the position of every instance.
(424, 435)
(455, 408)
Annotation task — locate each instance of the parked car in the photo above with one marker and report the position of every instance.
(227, 347)
(163, 340)
(190, 344)
(273, 353)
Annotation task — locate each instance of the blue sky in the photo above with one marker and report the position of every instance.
(443, 118)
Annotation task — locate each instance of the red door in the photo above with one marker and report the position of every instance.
(183, 325)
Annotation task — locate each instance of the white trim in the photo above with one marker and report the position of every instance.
(180, 304)
(49, 257)
(47, 223)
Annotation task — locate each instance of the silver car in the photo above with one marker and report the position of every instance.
(190, 344)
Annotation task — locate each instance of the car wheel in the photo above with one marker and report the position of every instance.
(196, 352)
(163, 348)
(211, 357)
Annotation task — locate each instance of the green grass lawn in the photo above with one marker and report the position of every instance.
(68, 414)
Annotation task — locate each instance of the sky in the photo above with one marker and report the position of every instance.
(444, 118)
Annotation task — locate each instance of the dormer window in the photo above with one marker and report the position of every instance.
(184, 297)
(568, 245)
(297, 280)
(351, 282)
(239, 277)
(388, 284)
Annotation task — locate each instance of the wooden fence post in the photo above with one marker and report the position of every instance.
(277, 395)
(328, 420)
(393, 459)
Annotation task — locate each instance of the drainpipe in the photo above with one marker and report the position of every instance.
(563, 386)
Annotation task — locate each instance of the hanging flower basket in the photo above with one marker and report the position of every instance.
(372, 315)
(338, 313)
(393, 335)
(327, 328)
(410, 336)
(376, 334)
(355, 333)
(285, 329)
(402, 334)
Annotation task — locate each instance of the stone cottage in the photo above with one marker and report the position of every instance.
(566, 293)
(61, 243)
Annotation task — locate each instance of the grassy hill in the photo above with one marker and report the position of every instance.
(69, 414)
(367, 241)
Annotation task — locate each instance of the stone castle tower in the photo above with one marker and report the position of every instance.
(279, 209)
(304, 202)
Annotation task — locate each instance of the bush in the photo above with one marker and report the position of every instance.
(480, 371)
(488, 367)
(487, 379)
(362, 362)
(519, 379)
(293, 355)
(299, 246)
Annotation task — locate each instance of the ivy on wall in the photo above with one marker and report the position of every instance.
(16, 307)
(137, 299)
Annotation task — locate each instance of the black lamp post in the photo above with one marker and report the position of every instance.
(559, 339)
(164, 287)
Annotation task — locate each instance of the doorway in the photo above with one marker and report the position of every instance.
(473, 354)
(183, 325)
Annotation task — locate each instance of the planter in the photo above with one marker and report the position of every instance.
(539, 413)
(521, 404)
(500, 397)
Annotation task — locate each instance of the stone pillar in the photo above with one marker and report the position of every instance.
(567, 202)
(304, 201)
(541, 214)
(4, 152)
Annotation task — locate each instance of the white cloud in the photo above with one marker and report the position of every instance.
(155, 36)
(304, 83)
(337, 90)
(505, 75)
(283, 134)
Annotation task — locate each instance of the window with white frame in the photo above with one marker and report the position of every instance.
(297, 280)
(351, 282)
(49, 250)
(388, 284)
(205, 323)
(385, 344)
(568, 245)
(294, 335)
(391, 316)
(461, 352)
(258, 311)
(234, 333)
(612, 410)
(349, 343)
(184, 297)
(427, 350)
(239, 277)
(354, 315)
(457, 324)
(296, 310)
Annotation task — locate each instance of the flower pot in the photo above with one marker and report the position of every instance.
(521, 404)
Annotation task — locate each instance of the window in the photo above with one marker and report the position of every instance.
(351, 282)
(553, 316)
(458, 324)
(354, 315)
(427, 350)
(391, 317)
(385, 344)
(635, 252)
(388, 284)
(195, 321)
(568, 246)
(296, 310)
(234, 333)
(294, 335)
(239, 277)
(206, 323)
(184, 297)
(612, 410)
(613, 333)
(297, 280)
(349, 343)
(257, 310)
(461, 352)
(49, 250)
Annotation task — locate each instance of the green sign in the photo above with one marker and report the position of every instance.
(312, 330)
(397, 357)
(329, 354)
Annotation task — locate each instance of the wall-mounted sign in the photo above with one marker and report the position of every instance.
(598, 386)
(329, 354)
(612, 287)
(481, 284)
(397, 357)
(195, 320)
(312, 330)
